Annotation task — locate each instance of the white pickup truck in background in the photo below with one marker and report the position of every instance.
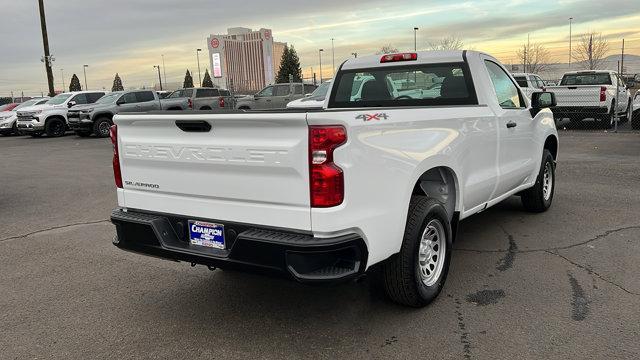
(598, 95)
(375, 180)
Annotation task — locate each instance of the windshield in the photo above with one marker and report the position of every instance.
(321, 91)
(586, 79)
(27, 103)
(521, 80)
(59, 99)
(109, 98)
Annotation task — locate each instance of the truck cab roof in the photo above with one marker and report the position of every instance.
(423, 57)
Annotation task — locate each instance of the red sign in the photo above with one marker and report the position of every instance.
(267, 34)
(215, 43)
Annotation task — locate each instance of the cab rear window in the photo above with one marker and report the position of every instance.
(586, 79)
(415, 85)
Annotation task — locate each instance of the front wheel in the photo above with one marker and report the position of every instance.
(415, 276)
(539, 197)
(101, 127)
(55, 128)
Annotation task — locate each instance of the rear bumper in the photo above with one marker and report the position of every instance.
(291, 254)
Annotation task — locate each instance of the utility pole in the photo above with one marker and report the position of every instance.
(84, 69)
(570, 21)
(415, 38)
(47, 56)
(320, 55)
(622, 60)
(198, 58)
(159, 77)
(164, 69)
(333, 56)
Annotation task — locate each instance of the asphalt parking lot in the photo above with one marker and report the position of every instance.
(563, 284)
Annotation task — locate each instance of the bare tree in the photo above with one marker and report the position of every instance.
(387, 49)
(447, 43)
(591, 50)
(534, 57)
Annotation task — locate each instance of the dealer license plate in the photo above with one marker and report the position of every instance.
(206, 234)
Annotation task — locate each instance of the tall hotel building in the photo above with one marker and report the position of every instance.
(244, 60)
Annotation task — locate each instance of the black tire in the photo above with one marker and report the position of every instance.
(606, 121)
(101, 127)
(83, 133)
(205, 108)
(401, 274)
(635, 120)
(14, 129)
(35, 135)
(55, 127)
(534, 199)
(627, 113)
(244, 108)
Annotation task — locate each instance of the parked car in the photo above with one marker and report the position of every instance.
(163, 94)
(51, 117)
(97, 118)
(635, 119)
(200, 99)
(315, 100)
(529, 83)
(275, 96)
(597, 94)
(9, 119)
(8, 107)
(323, 196)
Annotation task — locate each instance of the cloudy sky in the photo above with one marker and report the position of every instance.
(129, 36)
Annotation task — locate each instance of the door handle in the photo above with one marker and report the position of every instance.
(511, 124)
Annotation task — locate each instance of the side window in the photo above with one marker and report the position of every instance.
(80, 99)
(93, 97)
(129, 98)
(268, 91)
(144, 96)
(176, 94)
(540, 82)
(297, 89)
(225, 93)
(281, 90)
(187, 93)
(506, 91)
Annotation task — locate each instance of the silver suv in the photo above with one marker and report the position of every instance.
(203, 98)
(275, 96)
(96, 118)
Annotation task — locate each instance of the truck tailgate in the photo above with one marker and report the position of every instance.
(248, 168)
(578, 95)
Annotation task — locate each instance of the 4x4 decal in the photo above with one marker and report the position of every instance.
(371, 117)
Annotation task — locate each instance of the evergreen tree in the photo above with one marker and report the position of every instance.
(74, 85)
(206, 82)
(117, 84)
(188, 80)
(289, 65)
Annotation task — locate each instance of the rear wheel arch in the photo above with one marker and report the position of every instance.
(102, 115)
(440, 183)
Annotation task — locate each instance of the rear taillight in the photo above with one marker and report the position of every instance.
(190, 103)
(325, 177)
(221, 102)
(603, 93)
(399, 57)
(117, 175)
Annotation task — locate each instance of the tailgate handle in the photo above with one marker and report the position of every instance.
(193, 125)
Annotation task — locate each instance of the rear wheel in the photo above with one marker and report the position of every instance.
(101, 127)
(539, 197)
(415, 276)
(55, 127)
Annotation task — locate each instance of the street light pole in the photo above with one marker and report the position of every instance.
(198, 58)
(320, 55)
(570, 20)
(164, 69)
(333, 57)
(62, 76)
(415, 38)
(159, 77)
(45, 42)
(84, 69)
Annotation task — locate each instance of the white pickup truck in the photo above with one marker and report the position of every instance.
(370, 181)
(593, 94)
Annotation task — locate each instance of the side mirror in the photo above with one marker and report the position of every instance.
(256, 97)
(120, 102)
(71, 103)
(542, 100)
(307, 95)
